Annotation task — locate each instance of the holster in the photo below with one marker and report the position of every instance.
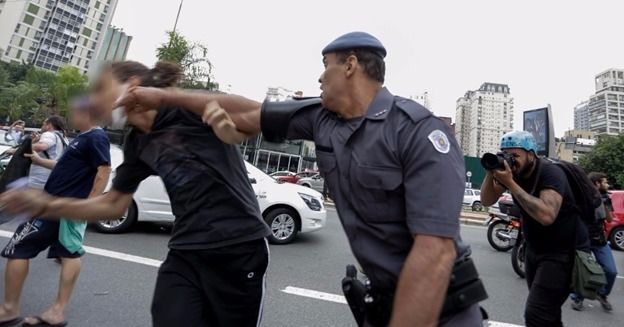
(275, 116)
(465, 289)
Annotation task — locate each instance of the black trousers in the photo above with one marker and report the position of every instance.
(216, 287)
(549, 277)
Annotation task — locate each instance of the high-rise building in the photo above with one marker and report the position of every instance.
(114, 46)
(606, 107)
(482, 117)
(54, 33)
(581, 116)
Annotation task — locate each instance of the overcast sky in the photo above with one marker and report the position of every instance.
(548, 52)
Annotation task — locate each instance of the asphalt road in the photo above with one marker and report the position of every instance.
(114, 292)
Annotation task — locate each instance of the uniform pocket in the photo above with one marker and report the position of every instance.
(379, 193)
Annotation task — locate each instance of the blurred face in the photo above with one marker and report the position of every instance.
(603, 185)
(333, 81)
(46, 127)
(80, 119)
(524, 161)
(107, 89)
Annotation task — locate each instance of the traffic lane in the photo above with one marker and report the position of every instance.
(508, 293)
(109, 292)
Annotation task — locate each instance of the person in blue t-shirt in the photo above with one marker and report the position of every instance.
(82, 171)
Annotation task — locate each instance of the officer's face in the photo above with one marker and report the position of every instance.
(332, 81)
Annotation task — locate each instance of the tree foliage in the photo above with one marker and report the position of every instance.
(192, 57)
(607, 157)
(32, 94)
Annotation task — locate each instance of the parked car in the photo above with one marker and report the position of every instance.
(285, 176)
(286, 208)
(314, 182)
(305, 174)
(472, 199)
(615, 229)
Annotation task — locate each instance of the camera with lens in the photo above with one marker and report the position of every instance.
(491, 161)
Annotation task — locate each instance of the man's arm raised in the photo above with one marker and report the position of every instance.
(244, 113)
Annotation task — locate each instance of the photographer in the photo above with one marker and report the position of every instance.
(546, 201)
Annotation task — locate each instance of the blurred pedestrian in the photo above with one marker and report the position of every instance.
(15, 134)
(81, 172)
(599, 244)
(49, 145)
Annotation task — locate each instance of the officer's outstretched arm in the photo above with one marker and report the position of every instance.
(244, 112)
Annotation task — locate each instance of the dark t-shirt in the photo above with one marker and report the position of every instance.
(211, 197)
(561, 236)
(75, 171)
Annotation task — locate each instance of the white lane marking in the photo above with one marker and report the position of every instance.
(108, 253)
(134, 258)
(501, 324)
(315, 294)
(123, 256)
(341, 299)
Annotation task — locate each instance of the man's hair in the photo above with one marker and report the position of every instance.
(373, 64)
(597, 177)
(57, 122)
(164, 74)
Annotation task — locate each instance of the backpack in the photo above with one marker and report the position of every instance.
(19, 166)
(587, 197)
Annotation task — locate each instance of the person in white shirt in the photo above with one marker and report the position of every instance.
(49, 145)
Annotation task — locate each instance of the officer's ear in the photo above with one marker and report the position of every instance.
(351, 63)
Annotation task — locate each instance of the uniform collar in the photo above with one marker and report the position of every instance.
(379, 108)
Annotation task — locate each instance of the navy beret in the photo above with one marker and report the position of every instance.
(355, 40)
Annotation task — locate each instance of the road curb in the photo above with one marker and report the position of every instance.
(466, 219)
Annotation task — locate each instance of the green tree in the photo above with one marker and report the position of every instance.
(18, 101)
(607, 157)
(192, 57)
(69, 82)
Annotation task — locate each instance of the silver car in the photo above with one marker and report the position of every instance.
(315, 182)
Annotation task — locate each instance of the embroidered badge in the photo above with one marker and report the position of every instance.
(440, 141)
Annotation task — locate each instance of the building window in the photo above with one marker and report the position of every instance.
(86, 32)
(28, 19)
(19, 54)
(97, 5)
(33, 9)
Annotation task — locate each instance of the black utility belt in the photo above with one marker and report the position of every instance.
(465, 288)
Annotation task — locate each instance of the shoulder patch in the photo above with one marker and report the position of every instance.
(412, 108)
(440, 141)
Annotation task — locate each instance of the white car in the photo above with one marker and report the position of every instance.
(286, 208)
(472, 199)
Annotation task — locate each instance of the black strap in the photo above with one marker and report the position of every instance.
(57, 134)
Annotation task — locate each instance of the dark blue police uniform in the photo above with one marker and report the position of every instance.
(394, 173)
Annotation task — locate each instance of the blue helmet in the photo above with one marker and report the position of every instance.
(519, 140)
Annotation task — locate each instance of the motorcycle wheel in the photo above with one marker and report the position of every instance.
(495, 242)
(518, 258)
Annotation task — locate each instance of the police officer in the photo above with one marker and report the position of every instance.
(394, 172)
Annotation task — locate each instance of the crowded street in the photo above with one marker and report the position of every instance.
(117, 283)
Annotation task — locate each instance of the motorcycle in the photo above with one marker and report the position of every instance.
(518, 255)
(502, 230)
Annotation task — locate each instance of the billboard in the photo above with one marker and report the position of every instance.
(539, 123)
